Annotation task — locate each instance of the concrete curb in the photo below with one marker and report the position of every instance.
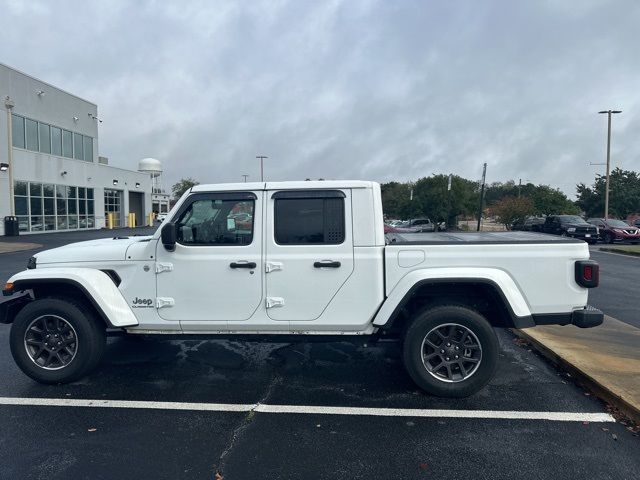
(11, 247)
(619, 252)
(599, 389)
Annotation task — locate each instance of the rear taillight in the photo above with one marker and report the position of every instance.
(587, 273)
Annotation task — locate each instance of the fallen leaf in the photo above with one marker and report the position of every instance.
(605, 429)
(219, 477)
(92, 430)
(424, 466)
(585, 423)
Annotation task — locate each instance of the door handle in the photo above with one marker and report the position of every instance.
(326, 264)
(250, 265)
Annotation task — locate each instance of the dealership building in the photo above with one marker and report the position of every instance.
(51, 175)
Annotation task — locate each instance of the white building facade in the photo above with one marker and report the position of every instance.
(50, 177)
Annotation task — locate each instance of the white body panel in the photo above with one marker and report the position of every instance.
(542, 274)
(494, 275)
(203, 285)
(97, 284)
(305, 290)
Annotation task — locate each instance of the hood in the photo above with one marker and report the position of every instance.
(102, 250)
(576, 225)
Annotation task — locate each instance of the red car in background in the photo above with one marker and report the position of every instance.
(612, 230)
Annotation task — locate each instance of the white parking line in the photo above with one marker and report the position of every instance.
(311, 409)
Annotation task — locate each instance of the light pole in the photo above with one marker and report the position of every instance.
(606, 189)
(261, 157)
(9, 104)
(245, 177)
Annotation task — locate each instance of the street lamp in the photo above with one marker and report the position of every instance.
(261, 157)
(606, 191)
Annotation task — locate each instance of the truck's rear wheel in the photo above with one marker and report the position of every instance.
(450, 351)
(56, 340)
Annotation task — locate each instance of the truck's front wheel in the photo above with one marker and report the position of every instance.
(56, 340)
(450, 351)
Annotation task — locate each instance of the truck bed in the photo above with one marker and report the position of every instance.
(476, 238)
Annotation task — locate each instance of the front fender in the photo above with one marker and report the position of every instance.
(505, 285)
(96, 285)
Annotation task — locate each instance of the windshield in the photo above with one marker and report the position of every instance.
(618, 224)
(571, 219)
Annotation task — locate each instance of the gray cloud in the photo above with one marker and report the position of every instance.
(345, 89)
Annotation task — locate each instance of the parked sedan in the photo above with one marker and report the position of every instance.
(530, 224)
(422, 225)
(612, 230)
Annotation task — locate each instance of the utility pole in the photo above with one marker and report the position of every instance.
(261, 157)
(484, 176)
(245, 177)
(519, 186)
(448, 201)
(606, 191)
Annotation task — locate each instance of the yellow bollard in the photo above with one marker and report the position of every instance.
(110, 220)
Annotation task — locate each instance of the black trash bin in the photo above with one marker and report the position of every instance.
(11, 226)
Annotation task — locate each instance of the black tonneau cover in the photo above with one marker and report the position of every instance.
(482, 238)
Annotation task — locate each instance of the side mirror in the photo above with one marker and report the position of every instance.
(168, 236)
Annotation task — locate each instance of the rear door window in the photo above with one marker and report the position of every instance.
(301, 221)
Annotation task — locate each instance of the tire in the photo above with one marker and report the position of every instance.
(422, 336)
(608, 238)
(33, 340)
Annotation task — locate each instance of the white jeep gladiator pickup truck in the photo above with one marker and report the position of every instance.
(300, 259)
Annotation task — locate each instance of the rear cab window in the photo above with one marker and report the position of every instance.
(314, 217)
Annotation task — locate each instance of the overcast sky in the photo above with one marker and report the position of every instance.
(380, 90)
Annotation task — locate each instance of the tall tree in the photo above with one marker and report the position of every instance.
(513, 210)
(182, 186)
(624, 194)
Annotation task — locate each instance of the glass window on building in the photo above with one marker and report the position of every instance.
(31, 130)
(67, 144)
(20, 188)
(35, 189)
(45, 137)
(36, 205)
(112, 205)
(48, 207)
(72, 206)
(56, 141)
(37, 224)
(48, 190)
(17, 125)
(21, 205)
(77, 147)
(87, 143)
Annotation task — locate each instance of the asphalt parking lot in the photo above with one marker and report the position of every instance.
(517, 431)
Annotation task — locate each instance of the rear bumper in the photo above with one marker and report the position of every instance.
(10, 307)
(584, 318)
(587, 317)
